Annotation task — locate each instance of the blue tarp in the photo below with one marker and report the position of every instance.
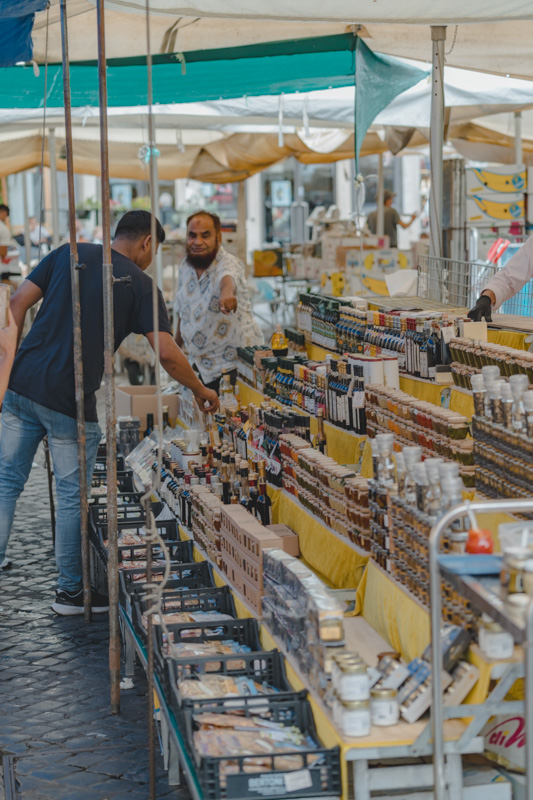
(16, 23)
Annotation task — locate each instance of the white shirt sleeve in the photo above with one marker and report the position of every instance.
(5, 236)
(508, 281)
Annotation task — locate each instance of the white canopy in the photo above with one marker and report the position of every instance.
(496, 39)
(435, 12)
(469, 95)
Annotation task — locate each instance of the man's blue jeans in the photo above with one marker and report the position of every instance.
(24, 425)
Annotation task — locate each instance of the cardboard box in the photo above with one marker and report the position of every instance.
(138, 401)
(505, 738)
(289, 539)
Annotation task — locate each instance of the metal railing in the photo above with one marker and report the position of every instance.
(459, 284)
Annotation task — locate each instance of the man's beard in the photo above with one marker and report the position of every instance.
(203, 260)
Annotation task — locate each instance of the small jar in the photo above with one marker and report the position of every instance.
(352, 680)
(494, 642)
(384, 708)
(354, 718)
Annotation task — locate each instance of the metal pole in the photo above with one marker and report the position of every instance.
(76, 322)
(109, 364)
(380, 222)
(50, 488)
(27, 240)
(53, 182)
(154, 198)
(437, 714)
(242, 250)
(436, 140)
(528, 704)
(154, 194)
(518, 138)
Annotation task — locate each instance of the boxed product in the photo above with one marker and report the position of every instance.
(138, 401)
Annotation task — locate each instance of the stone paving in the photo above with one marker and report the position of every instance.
(54, 683)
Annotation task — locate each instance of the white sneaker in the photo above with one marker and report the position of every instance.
(6, 563)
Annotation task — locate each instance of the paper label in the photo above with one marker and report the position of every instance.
(448, 333)
(296, 781)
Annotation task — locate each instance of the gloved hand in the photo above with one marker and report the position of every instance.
(482, 309)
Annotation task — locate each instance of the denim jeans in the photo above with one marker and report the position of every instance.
(24, 425)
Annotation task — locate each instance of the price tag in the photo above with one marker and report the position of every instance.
(296, 781)
(448, 333)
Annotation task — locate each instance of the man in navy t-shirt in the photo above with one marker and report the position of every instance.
(41, 397)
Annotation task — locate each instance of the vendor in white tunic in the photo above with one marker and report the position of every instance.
(212, 303)
(505, 284)
(6, 240)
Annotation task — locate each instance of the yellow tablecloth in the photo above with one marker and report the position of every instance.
(508, 338)
(321, 548)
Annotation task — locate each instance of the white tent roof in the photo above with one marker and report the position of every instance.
(492, 36)
(468, 94)
(435, 12)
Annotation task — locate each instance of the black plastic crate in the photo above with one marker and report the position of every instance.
(243, 631)
(195, 575)
(322, 765)
(124, 480)
(218, 598)
(167, 529)
(123, 498)
(261, 666)
(101, 463)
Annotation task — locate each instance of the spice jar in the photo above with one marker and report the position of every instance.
(384, 708)
(354, 718)
(350, 680)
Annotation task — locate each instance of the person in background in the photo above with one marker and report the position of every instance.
(391, 219)
(505, 284)
(214, 310)
(6, 240)
(8, 347)
(41, 399)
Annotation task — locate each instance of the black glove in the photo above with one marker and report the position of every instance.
(482, 309)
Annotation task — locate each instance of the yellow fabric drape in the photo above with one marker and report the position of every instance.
(332, 558)
(462, 403)
(508, 339)
(422, 390)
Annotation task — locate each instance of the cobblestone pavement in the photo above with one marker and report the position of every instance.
(54, 683)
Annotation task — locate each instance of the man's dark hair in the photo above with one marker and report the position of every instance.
(3, 207)
(214, 217)
(135, 224)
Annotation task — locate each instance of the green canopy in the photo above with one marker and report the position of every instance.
(272, 68)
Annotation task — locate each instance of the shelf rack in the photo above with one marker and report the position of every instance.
(482, 592)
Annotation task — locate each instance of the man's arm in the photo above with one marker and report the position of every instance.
(178, 338)
(407, 224)
(8, 346)
(24, 298)
(228, 299)
(177, 366)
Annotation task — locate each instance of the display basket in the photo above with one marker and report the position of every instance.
(100, 465)
(317, 772)
(124, 480)
(243, 631)
(195, 575)
(130, 511)
(167, 529)
(261, 666)
(218, 598)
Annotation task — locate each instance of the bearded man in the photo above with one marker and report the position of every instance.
(212, 303)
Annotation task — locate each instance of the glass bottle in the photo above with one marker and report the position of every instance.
(262, 506)
(320, 437)
(149, 425)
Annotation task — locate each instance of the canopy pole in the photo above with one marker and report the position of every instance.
(76, 322)
(518, 138)
(27, 240)
(53, 181)
(242, 249)
(380, 222)
(154, 192)
(109, 364)
(436, 140)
